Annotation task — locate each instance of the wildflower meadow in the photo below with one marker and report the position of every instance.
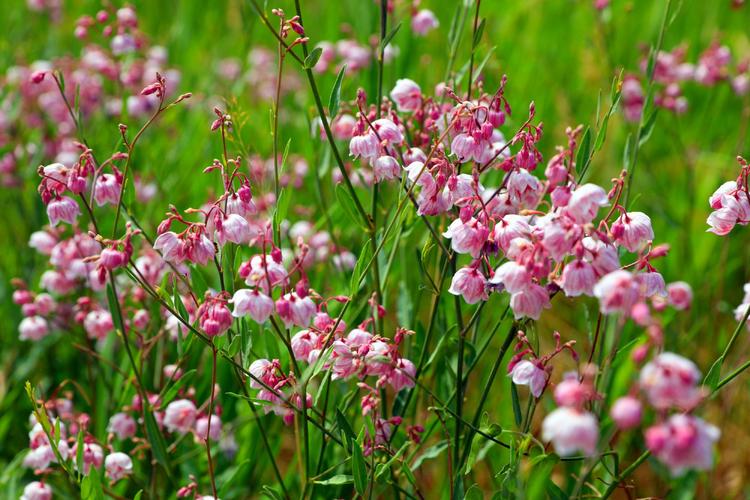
(393, 249)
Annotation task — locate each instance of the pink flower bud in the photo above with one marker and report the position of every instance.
(626, 412)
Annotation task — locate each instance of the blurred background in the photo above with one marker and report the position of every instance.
(561, 54)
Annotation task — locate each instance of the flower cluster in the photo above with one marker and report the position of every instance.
(730, 203)
(670, 73)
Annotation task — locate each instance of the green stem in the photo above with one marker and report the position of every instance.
(616, 483)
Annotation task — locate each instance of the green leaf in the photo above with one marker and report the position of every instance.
(474, 493)
(584, 152)
(516, 404)
(539, 476)
(359, 469)
(362, 262)
(337, 480)
(312, 59)
(344, 427)
(714, 375)
(91, 486)
(156, 440)
(478, 33)
(234, 346)
(271, 493)
(114, 307)
(433, 451)
(333, 102)
(626, 152)
(647, 129)
(345, 199)
(480, 66)
(172, 390)
(387, 39)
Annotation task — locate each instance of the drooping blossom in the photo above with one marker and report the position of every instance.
(571, 431)
(469, 283)
(118, 465)
(626, 412)
(682, 443)
(424, 21)
(254, 303)
(180, 416)
(528, 373)
(669, 380)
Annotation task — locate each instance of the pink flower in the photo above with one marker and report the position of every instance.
(367, 146)
(93, 456)
(262, 274)
(524, 188)
(513, 276)
(651, 283)
(578, 278)
(263, 370)
(122, 425)
(118, 465)
(234, 228)
(423, 22)
(510, 227)
(529, 302)
(560, 236)
(626, 412)
(728, 188)
(295, 310)
(214, 316)
(670, 380)
(632, 230)
(633, 98)
(171, 247)
(683, 442)
(527, 373)
(467, 237)
(42, 241)
(201, 428)
(388, 131)
(570, 431)
(604, 257)
(111, 258)
(33, 328)
(386, 168)
(571, 392)
(618, 291)
(402, 375)
(199, 249)
(107, 190)
(465, 147)
(584, 203)
(303, 343)
(469, 283)
(252, 302)
(98, 324)
(36, 490)
(62, 209)
(680, 295)
(733, 210)
(407, 95)
(180, 416)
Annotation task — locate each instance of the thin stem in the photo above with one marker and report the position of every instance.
(649, 97)
(616, 483)
(473, 47)
(485, 394)
(327, 129)
(210, 414)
